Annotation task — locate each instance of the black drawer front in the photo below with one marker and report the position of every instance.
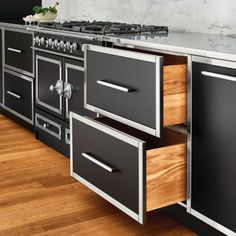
(90, 142)
(140, 76)
(18, 52)
(18, 93)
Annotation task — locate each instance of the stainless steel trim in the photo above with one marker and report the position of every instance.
(158, 60)
(14, 50)
(38, 101)
(107, 197)
(31, 80)
(97, 162)
(67, 132)
(123, 120)
(2, 73)
(212, 223)
(142, 166)
(189, 136)
(27, 73)
(58, 136)
(14, 94)
(121, 53)
(216, 62)
(114, 86)
(91, 37)
(58, 54)
(218, 76)
(67, 67)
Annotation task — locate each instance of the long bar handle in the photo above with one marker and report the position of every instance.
(99, 163)
(114, 86)
(14, 94)
(219, 76)
(14, 50)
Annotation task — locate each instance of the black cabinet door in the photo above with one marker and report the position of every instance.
(125, 86)
(49, 74)
(74, 76)
(1, 92)
(214, 143)
(18, 51)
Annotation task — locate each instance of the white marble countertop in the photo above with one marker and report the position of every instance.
(207, 45)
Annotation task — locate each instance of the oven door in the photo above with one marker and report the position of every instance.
(49, 83)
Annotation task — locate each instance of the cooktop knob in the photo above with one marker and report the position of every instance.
(36, 40)
(67, 47)
(61, 45)
(42, 41)
(73, 47)
(50, 42)
(56, 43)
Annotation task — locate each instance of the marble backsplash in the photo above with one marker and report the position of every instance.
(206, 16)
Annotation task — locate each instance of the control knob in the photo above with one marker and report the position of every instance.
(50, 43)
(56, 43)
(73, 47)
(61, 45)
(42, 41)
(36, 40)
(67, 46)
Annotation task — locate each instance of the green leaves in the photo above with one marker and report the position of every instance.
(40, 10)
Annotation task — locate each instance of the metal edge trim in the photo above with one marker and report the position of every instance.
(121, 53)
(71, 143)
(212, 223)
(58, 136)
(108, 130)
(106, 196)
(216, 62)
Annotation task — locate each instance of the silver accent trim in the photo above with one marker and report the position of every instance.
(14, 50)
(58, 136)
(216, 62)
(38, 101)
(67, 140)
(158, 60)
(99, 163)
(212, 223)
(14, 94)
(73, 67)
(31, 80)
(58, 54)
(114, 86)
(141, 159)
(218, 76)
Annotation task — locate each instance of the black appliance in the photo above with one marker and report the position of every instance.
(59, 63)
(14, 10)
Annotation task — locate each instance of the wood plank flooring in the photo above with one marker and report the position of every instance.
(38, 197)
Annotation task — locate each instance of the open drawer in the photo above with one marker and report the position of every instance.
(133, 170)
(143, 90)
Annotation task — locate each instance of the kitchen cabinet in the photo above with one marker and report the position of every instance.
(127, 85)
(135, 171)
(213, 143)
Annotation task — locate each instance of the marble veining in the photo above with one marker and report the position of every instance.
(205, 16)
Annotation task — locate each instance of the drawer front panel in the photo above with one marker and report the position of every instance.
(125, 84)
(18, 95)
(18, 52)
(107, 162)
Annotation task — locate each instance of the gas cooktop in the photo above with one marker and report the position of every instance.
(105, 28)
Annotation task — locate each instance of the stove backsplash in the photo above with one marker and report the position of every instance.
(207, 16)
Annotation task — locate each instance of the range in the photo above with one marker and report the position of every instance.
(59, 62)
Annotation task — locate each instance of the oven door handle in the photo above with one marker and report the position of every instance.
(114, 86)
(58, 87)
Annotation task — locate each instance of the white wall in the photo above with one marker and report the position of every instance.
(209, 16)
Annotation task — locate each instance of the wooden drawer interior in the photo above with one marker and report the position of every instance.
(165, 165)
(174, 87)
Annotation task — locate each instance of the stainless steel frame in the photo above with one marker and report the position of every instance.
(141, 158)
(31, 121)
(67, 67)
(27, 73)
(158, 60)
(58, 111)
(221, 228)
(58, 136)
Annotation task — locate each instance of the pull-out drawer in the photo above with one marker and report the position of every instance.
(18, 95)
(135, 171)
(142, 90)
(18, 51)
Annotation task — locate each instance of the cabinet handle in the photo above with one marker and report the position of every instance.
(114, 86)
(219, 76)
(14, 50)
(14, 94)
(99, 163)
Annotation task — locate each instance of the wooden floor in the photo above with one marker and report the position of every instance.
(38, 197)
